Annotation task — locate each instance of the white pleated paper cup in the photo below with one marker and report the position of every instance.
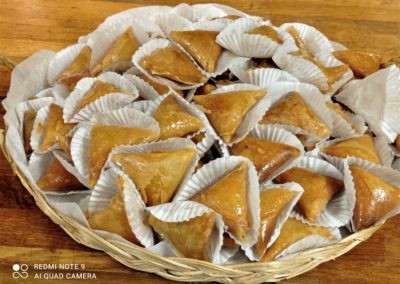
(380, 112)
(171, 22)
(342, 128)
(73, 114)
(146, 91)
(213, 171)
(264, 77)
(241, 71)
(186, 210)
(314, 100)
(396, 164)
(135, 208)
(125, 117)
(143, 105)
(69, 166)
(291, 186)
(388, 175)
(151, 46)
(209, 137)
(337, 212)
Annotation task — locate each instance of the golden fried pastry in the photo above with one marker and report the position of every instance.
(65, 145)
(362, 63)
(267, 156)
(173, 64)
(57, 178)
(114, 218)
(374, 197)
(190, 238)
(397, 142)
(227, 110)
(120, 52)
(174, 120)
(332, 73)
(205, 89)
(263, 63)
(197, 138)
(229, 242)
(98, 90)
(229, 17)
(361, 147)
(292, 232)
(293, 110)
(161, 89)
(78, 69)
(318, 190)
(105, 137)
(201, 45)
(338, 109)
(157, 175)
(55, 128)
(272, 204)
(228, 197)
(268, 32)
(29, 120)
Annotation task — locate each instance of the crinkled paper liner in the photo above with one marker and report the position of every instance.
(105, 190)
(387, 174)
(396, 164)
(186, 210)
(341, 128)
(142, 106)
(146, 91)
(213, 171)
(264, 77)
(105, 103)
(291, 186)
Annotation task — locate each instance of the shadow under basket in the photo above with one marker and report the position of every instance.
(186, 269)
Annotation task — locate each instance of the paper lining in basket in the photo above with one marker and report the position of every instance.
(342, 128)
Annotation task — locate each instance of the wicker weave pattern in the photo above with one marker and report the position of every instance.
(185, 269)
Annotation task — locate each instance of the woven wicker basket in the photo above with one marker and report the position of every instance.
(186, 269)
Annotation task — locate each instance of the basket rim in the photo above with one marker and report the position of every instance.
(186, 269)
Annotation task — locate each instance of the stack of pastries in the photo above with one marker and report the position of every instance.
(211, 121)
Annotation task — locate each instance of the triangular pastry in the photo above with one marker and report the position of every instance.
(55, 129)
(98, 90)
(397, 142)
(78, 69)
(361, 147)
(173, 64)
(160, 88)
(267, 156)
(201, 45)
(174, 120)
(318, 190)
(228, 197)
(293, 110)
(57, 178)
(272, 204)
(362, 63)
(266, 31)
(338, 109)
(29, 120)
(157, 175)
(374, 197)
(227, 110)
(292, 232)
(105, 137)
(114, 218)
(190, 238)
(332, 73)
(120, 53)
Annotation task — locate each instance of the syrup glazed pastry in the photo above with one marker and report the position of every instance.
(362, 63)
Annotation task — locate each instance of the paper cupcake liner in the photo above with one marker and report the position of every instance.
(28, 78)
(388, 175)
(341, 128)
(241, 71)
(358, 121)
(396, 164)
(252, 117)
(123, 117)
(208, 12)
(147, 49)
(291, 186)
(209, 137)
(264, 77)
(166, 145)
(171, 22)
(380, 112)
(214, 171)
(61, 61)
(60, 156)
(337, 212)
(106, 189)
(278, 135)
(146, 91)
(235, 39)
(186, 210)
(163, 248)
(312, 97)
(71, 113)
(142, 106)
(102, 41)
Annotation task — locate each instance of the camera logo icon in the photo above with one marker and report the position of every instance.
(20, 271)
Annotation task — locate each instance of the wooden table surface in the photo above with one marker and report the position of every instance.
(28, 236)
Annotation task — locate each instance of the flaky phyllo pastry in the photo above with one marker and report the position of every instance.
(120, 53)
(173, 64)
(266, 31)
(114, 218)
(157, 175)
(29, 120)
(362, 63)
(226, 111)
